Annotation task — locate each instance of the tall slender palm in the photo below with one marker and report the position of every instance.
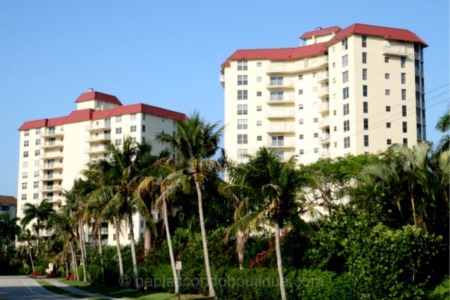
(195, 142)
(275, 190)
(39, 212)
(443, 126)
(28, 239)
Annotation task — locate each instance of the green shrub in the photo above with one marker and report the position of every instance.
(442, 291)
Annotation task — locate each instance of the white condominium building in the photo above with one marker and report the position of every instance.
(345, 91)
(54, 151)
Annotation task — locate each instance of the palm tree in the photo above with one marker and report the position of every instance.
(443, 126)
(275, 190)
(41, 212)
(195, 142)
(8, 228)
(28, 239)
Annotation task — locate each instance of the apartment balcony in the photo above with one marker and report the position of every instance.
(322, 77)
(325, 154)
(324, 107)
(281, 129)
(101, 138)
(54, 200)
(222, 79)
(305, 65)
(101, 126)
(52, 134)
(325, 138)
(323, 92)
(53, 144)
(396, 51)
(281, 144)
(53, 155)
(283, 85)
(52, 166)
(98, 149)
(52, 177)
(324, 122)
(281, 114)
(51, 188)
(285, 100)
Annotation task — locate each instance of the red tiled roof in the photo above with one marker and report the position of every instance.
(277, 53)
(8, 200)
(388, 33)
(320, 31)
(94, 95)
(90, 114)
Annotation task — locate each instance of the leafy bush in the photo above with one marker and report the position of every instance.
(442, 291)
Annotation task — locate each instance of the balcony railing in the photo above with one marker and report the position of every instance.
(286, 99)
(325, 138)
(324, 107)
(281, 128)
(396, 50)
(281, 114)
(323, 92)
(281, 85)
(324, 122)
(281, 144)
(322, 76)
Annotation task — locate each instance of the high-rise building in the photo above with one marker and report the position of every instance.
(344, 91)
(54, 151)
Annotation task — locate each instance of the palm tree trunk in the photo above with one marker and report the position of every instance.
(83, 249)
(279, 262)
(119, 252)
(74, 261)
(413, 207)
(133, 251)
(100, 253)
(212, 293)
(147, 238)
(169, 244)
(31, 259)
(241, 239)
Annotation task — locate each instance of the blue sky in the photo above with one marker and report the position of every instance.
(168, 53)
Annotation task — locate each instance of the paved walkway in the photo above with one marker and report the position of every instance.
(75, 290)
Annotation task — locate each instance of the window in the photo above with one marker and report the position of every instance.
(242, 109)
(365, 107)
(405, 127)
(133, 117)
(258, 94)
(366, 124)
(403, 94)
(133, 128)
(387, 75)
(300, 106)
(26, 133)
(364, 74)
(24, 185)
(316, 135)
(345, 60)
(364, 41)
(37, 152)
(258, 79)
(143, 140)
(364, 57)
(118, 119)
(402, 62)
(26, 143)
(365, 91)
(346, 125)
(405, 142)
(366, 141)
(259, 108)
(315, 120)
(118, 142)
(143, 128)
(24, 197)
(387, 92)
(388, 125)
(344, 44)
(276, 96)
(25, 164)
(118, 130)
(301, 151)
(300, 136)
(241, 153)
(404, 111)
(345, 77)
(346, 109)
(36, 174)
(242, 80)
(24, 175)
(300, 92)
(276, 80)
(242, 124)
(300, 121)
(347, 142)
(242, 94)
(242, 65)
(242, 139)
(334, 128)
(38, 131)
(386, 59)
(258, 123)
(277, 140)
(388, 108)
(36, 184)
(38, 142)
(389, 142)
(25, 153)
(259, 138)
(316, 150)
(258, 64)
(35, 196)
(345, 93)
(403, 78)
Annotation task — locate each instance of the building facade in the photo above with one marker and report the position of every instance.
(354, 91)
(53, 152)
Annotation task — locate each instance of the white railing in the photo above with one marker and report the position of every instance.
(281, 113)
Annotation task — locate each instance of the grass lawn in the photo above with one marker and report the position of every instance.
(119, 292)
(57, 290)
